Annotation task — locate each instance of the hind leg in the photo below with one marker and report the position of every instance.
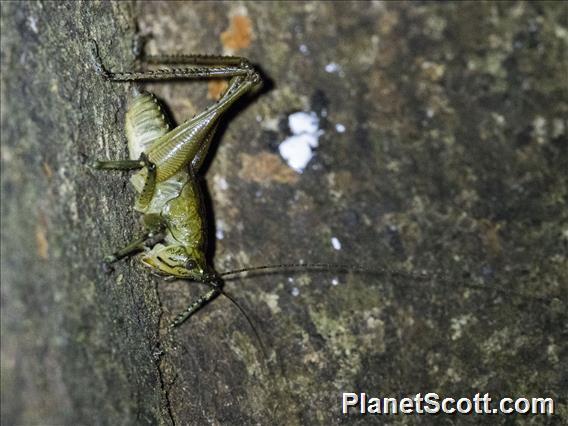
(204, 66)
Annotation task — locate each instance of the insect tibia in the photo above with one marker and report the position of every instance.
(206, 60)
(195, 306)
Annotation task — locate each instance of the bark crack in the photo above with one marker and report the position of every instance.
(158, 354)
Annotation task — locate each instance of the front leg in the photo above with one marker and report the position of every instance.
(195, 306)
(148, 240)
(149, 182)
(118, 164)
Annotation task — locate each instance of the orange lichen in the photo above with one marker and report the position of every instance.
(239, 33)
(42, 246)
(489, 233)
(265, 168)
(47, 170)
(216, 88)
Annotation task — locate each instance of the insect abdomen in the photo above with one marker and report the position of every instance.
(145, 122)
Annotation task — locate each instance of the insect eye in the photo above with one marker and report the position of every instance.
(191, 264)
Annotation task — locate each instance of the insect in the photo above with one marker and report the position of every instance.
(167, 162)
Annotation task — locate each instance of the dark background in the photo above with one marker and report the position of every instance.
(453, 161)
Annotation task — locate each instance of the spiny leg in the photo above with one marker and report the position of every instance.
(212, 67)
(139, 51)
(195, 306)
(195, 59)
(175, 73)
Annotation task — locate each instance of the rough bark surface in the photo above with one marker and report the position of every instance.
(443, 149)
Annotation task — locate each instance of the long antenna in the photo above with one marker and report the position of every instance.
(375, 271)
(215, 283)
(240, 308)
(322, 267)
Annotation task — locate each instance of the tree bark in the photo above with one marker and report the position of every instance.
(442, 156)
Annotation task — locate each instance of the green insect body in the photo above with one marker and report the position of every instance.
(176, 204)
(168, 161)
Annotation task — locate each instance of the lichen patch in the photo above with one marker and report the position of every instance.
(42, 245)
(265, 168)
(239, 34)
(216, 88)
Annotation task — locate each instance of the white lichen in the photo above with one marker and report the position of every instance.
(335, 243)
(296, 149)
